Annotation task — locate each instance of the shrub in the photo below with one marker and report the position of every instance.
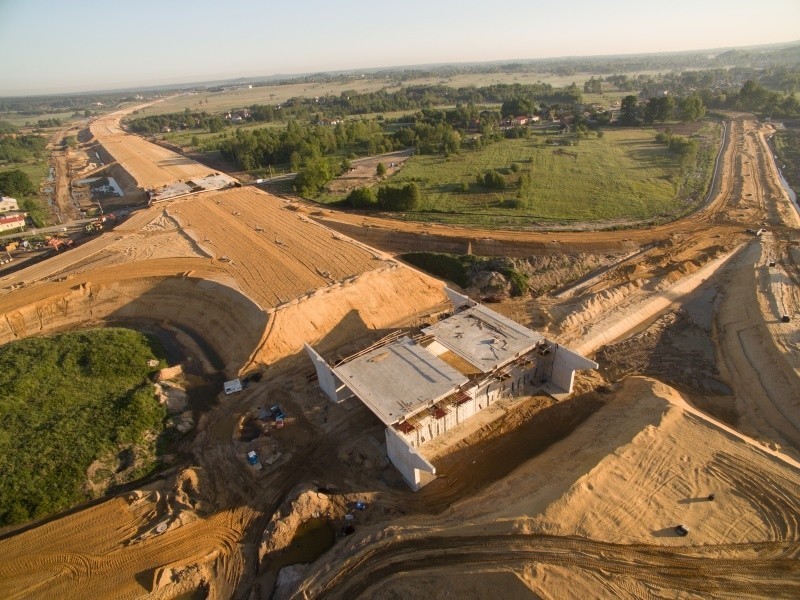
(512, 203)
(402, 198)
(494, 180)
(65, 401)
(519, 282)
(362, 197)
(446, 266)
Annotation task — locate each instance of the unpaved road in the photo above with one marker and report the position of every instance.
(690, 570)
(150, 165)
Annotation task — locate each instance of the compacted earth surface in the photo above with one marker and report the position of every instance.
(692, 418)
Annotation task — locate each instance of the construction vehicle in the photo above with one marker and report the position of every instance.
(94, 225)
(59, 244)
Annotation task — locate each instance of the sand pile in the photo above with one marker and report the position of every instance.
(611, 494)
(304, 503)
(339, 314)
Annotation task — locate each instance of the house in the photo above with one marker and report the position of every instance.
(12, 221)
(520, 121)
(7, 204)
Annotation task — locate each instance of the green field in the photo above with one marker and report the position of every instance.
(35, 205)
(66, 402)
(215, 102)
(625, 175)
(787, 147)
(36, 169)
(22, 121)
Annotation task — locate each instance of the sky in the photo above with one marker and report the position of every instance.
(56, 46)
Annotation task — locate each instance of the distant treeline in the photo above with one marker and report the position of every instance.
(355, 103)
(753, 58)
(298, 143)
(183, 120)
(42, 105)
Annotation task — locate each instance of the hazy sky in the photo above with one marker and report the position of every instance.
(49, 46)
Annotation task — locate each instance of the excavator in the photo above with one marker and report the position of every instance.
(59, 244)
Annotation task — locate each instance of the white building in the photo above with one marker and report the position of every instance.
(14, 221)
(7, 204)
(424, 386)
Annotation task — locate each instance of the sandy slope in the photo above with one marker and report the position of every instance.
(626, 477)
(150, 165)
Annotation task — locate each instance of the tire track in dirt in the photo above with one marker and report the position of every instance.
(773, 497)
(705, 569)
(274, 253)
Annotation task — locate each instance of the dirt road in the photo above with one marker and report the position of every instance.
(697, 571)
(150, 165)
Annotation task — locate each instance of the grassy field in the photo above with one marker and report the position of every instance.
(36, 169)
(623, 175)
(66, 402)
(787, 147)
(214, 102)
(23, 120)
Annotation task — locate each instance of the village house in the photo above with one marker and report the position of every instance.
(7, 203)
(10, 221)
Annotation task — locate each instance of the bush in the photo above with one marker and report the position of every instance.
(402, 198)
(380, 169)
(512, 203)
(494, 180)
(362, 197)
(446, 266)
(519, 282)
(16, 183)
(65, 401)
(514, 167)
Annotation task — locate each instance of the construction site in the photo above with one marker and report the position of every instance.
(423, 388)
(395, 438)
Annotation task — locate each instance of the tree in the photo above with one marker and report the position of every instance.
(691, 108)
(659, 109)
(16, 183)
(629, 114)
(362, 197)
(593, 86)
(312, 177)
(402, 198)
(492, 180)
(380, 169)
(515, 107)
